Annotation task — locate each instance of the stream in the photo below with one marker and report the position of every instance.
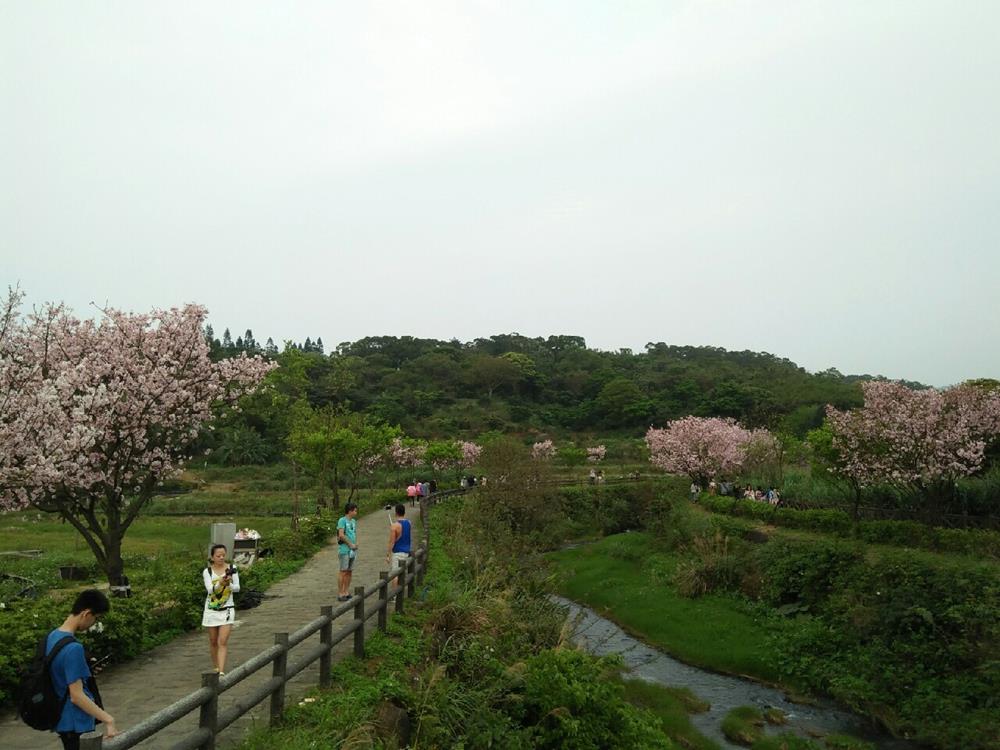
(602, 637)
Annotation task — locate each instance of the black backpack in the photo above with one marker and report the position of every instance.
(39, 706)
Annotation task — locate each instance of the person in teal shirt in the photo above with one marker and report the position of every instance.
(347, 536)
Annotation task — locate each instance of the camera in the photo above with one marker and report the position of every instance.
(231, 570)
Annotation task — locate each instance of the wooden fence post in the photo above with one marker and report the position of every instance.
(400, 587)
(208, 716)
(411, 568)
(383, 600)
(278, 670)
(326, 638)
(359, 616)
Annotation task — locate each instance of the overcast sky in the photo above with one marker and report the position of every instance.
(819, 180)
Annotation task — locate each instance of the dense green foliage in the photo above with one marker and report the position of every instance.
(908, 637)
(513, 383)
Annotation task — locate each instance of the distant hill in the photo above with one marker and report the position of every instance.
(510, 382)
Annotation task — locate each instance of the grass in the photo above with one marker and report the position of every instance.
(672, 706)
(625, 579)
(743, 725)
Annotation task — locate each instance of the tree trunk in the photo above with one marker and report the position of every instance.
(855, 514)
(114, 567)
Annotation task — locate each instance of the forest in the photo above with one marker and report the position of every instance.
(514, 384)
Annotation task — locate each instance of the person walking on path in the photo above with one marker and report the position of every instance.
(347, 536)
(71, 676)
(221, 582)
(411, 492)
(399, 540)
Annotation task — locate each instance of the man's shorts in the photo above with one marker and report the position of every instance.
(398, 560)
(347, 561)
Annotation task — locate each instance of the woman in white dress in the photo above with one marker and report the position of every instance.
(220, 585)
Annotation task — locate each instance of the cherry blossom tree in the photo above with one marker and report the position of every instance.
(544, 450)
(405, 454)
(596, 454)
(470, 453)
(95, 414)
(704, 448)
(920, 441)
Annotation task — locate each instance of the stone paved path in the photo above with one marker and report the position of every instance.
(148, 683)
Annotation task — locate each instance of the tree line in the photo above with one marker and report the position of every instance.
(513, 383)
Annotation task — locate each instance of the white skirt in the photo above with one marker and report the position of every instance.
(212, 618)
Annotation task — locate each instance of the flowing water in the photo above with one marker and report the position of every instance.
(602, 637)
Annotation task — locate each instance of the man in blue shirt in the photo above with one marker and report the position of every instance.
(71, 674)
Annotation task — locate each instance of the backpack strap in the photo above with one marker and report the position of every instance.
(47, 666)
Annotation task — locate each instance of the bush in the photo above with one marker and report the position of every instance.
(905, 637)
(716, 565)
(568, 699)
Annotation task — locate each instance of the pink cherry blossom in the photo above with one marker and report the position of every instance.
(704, 448)
(914, 439)
(596, 454)
(543, 450)
(470, 453)
(95, 414)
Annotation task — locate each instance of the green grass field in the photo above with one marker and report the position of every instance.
(625, 580)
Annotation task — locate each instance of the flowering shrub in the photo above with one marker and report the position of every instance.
(596, 454)
(543, 450)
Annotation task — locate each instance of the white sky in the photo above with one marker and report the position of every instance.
(820, 180)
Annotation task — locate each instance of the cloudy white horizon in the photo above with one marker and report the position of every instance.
(818, 180)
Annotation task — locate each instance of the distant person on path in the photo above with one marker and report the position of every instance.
(71, 677)
(347, 537)
(221, 582)
(399, 540)
(695, 491)
(411, 492)
(592, 477)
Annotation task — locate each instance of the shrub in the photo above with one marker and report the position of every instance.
(568, 700)
(716, 565)
(804, 572)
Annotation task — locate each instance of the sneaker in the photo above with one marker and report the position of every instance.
(343, 598)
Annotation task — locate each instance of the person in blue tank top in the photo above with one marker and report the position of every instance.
(399, 539)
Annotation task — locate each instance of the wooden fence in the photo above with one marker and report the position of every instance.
(396, 586)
